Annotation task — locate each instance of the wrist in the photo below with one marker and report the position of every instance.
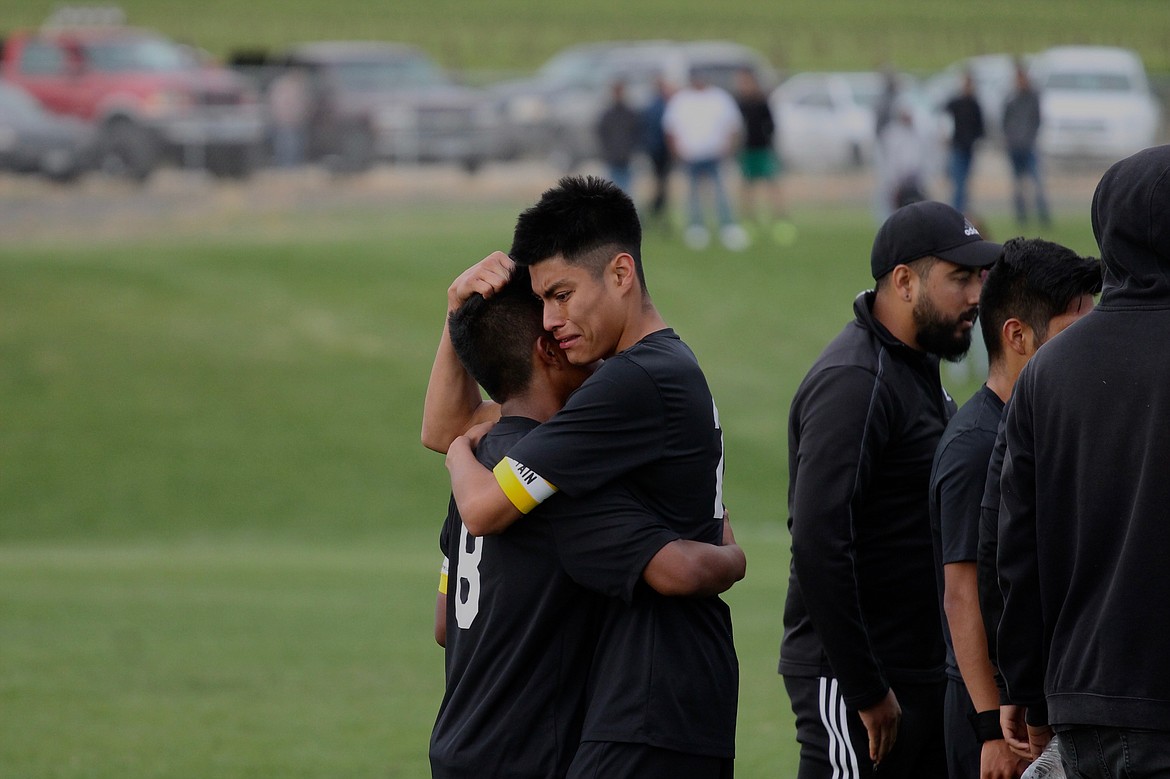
(986, 725)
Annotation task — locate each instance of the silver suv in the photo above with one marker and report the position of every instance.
(384, 101)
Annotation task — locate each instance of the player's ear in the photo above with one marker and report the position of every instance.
(546, 350)
(1017, 336)
(622, 268)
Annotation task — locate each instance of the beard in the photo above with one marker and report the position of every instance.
(941, 336)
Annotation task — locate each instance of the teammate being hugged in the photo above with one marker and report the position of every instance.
(663, 685)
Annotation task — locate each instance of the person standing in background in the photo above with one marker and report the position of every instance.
(619, 134)
(288, 109)
(967, 117)
(759, 165)
(657, 149)
(1021, 128)
(703, 126)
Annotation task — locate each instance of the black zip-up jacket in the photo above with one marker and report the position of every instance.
(1084, 526)
(862, 604)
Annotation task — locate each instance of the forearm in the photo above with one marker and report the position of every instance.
(961, 605)
(453, 402)
(695, 568)
(483, 506)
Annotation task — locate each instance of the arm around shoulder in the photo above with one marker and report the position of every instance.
(695, 568)
(483, 505)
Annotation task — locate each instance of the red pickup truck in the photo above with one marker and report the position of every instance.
(151, 99)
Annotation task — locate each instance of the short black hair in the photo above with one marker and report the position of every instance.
(583, 219)
(493, 337)
(1033, 281)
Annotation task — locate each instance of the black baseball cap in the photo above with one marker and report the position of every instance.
(929, 229)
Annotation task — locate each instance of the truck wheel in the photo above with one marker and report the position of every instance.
(234, 162)
(128, 150)
(355, 152)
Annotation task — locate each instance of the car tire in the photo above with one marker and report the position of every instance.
(128, 150)
(231, 162)
(355, 151)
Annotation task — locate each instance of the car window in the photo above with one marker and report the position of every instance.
(815, 100)
(136, 55)
(1091, 82)
(42, 59)
(399, 73)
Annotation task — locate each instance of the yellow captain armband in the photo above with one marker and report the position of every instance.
(443, 578)
(522, 485)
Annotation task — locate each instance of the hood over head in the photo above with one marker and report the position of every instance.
(1131, 221)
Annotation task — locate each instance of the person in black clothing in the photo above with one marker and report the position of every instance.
(862, 653)
(1083, 527)
(657, 148)
(619, 134)
(967, 118)
(759, 165)
(1032, 293)
(1021, 129)
(522, 621)
(664, 681)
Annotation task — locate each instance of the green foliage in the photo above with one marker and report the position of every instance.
(218, 530)
(919, 35)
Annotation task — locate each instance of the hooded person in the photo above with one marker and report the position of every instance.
(1085, 506)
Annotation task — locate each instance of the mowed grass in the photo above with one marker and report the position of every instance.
(218, 530)
(517, 35)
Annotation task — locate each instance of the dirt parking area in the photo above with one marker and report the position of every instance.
(99, 208)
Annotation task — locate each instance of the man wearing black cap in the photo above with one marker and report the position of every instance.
(862, 654)
(1084, 523)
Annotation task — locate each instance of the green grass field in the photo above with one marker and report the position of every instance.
(218, 529)
(917, 35)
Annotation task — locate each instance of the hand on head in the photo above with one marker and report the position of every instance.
(487, 277)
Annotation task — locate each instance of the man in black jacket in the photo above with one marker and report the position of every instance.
(1085, 507)
(862, 618)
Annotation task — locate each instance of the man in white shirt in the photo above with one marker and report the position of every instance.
(703, 125)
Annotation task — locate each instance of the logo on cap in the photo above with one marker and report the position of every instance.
(968, 228)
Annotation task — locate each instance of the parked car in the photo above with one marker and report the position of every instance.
(1095, 102)
(150, 98)
(34, 141)
(385, 101)
(555, 113)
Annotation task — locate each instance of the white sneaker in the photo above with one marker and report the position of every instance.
(735, 238)
(696, 237)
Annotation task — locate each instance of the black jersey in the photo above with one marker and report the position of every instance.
(957, 481)
(666, 673)
(523, 617)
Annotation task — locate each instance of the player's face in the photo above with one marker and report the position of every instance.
(946, 309)
(580, 309)
(1077, 308)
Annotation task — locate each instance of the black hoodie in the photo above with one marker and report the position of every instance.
(1085, 514)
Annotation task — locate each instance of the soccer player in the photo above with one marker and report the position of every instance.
(1034, 291)
(1083, 527)
(862, 652)
(664, 681)
(522, 621)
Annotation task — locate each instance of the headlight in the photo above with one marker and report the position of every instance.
(166, 101)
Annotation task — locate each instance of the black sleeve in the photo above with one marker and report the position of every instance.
(959, 481)
(990, 597)
(1022, 650)
(610, 426)
(843, 424)
(450, 528)
(609, 541)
